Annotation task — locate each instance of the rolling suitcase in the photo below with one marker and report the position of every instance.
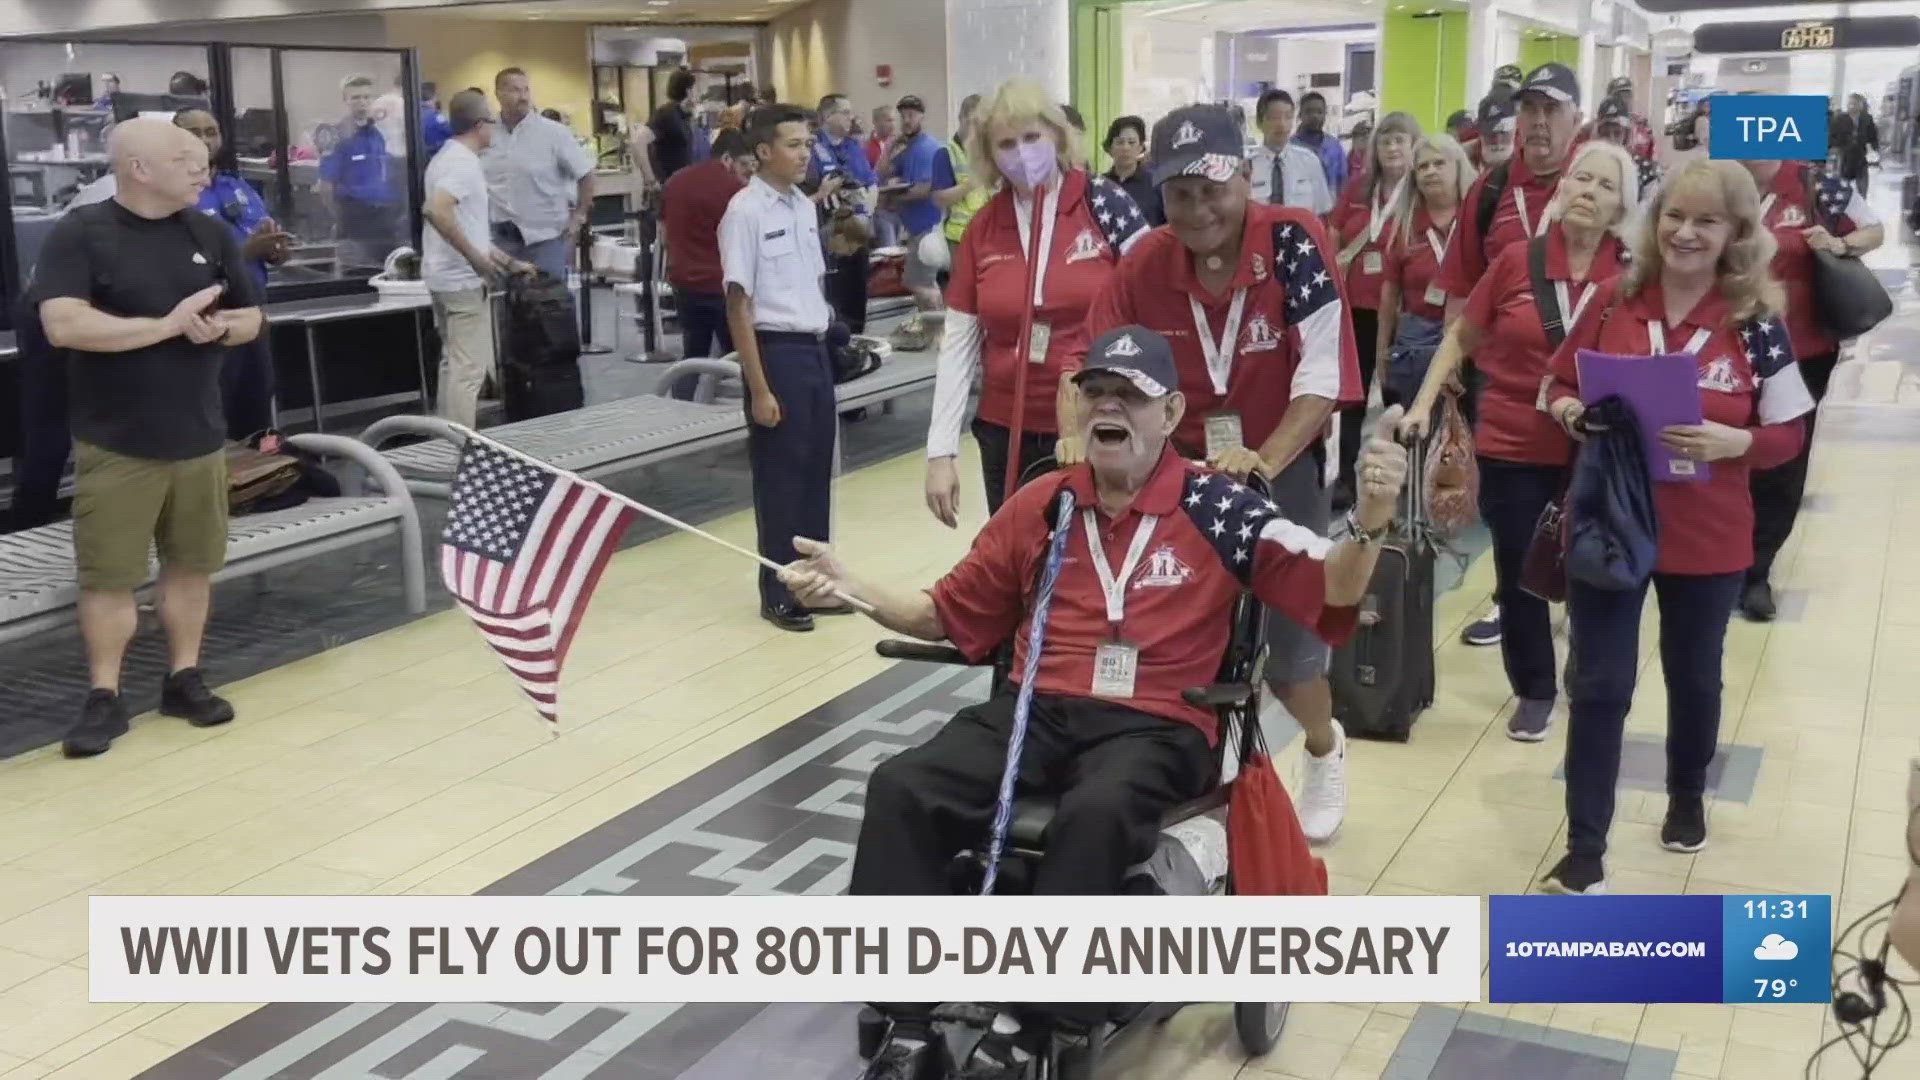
(1383, 678)
(540, 372)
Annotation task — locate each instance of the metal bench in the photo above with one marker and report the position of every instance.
(631, 433)
(38, 590)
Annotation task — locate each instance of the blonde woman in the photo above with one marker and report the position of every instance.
(1523, 454)
(1370, 208)
(1700, 284)
(1022, 148)
(1413, 307)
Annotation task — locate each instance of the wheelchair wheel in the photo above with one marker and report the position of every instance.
(1259, 1025)
(872, 1032)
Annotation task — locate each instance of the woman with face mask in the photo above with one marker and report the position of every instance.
(1031, 262)
(1363, 222)
(1523, 454)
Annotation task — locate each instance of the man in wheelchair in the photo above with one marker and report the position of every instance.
(1134, 620)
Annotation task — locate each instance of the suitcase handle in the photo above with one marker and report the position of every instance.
(1413, 496)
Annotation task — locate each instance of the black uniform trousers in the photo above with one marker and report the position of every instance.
(246, 386)
(1779, 491)
(45, 442)
(793, 461)
(995, 443)
(1353, 418)
(1118, 772)
(846, 287)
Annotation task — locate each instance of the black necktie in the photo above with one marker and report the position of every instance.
(1279, 195)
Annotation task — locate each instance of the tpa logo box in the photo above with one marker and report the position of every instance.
(1768, 127)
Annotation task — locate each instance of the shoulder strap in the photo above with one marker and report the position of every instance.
(1545, 300)
(99, 241)
(210, 236)
(1494, 186)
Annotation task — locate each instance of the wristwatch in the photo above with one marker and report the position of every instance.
(1366, 537)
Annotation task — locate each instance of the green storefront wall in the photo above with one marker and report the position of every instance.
(1423, 66)
(1537, 49)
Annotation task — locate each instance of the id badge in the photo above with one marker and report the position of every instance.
(1436, 296)
(1114, 666)
(1037, 342)
(1372, 263)
(1224, 433)
(1546, 387)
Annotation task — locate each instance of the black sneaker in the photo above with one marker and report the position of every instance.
(1576, 875)
(1530, 720)
(1486, 631)
(908, 1054)
(185, 695)
(102, 719)
(1685, 829)
(1756, 603)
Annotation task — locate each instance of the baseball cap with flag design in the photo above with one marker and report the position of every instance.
(1139, 354)
(1197, 140)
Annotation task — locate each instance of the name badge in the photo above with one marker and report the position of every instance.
(1224, 433)
(1546, 387)
(1372, 263)
(1037, 343)
(1114, 665)
(1436, 296)
(359, 157)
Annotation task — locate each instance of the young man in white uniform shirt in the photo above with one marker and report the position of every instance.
(458, 259)
(1279, 161)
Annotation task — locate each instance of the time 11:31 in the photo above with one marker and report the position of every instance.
(1776, 909)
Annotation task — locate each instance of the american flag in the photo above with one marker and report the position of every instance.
(1302, 268)
(523, 548)
(1120, 219)
(1768, 347)
(1234, 518)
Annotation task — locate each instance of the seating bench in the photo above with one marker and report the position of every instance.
(38, 589)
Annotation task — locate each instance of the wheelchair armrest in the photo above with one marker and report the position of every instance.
(896, 649)
(1215, 695)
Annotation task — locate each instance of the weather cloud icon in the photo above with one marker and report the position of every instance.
(1775, 947)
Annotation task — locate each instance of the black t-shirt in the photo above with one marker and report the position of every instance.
(672, 140)
(161, 402)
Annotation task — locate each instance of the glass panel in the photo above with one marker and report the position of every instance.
(58, 99)
(349, 204)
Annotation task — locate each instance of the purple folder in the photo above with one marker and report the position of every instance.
(1664, 391)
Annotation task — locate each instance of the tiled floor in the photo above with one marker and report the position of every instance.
(407, 762)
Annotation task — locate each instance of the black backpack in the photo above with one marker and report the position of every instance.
(542, 330)
(209, 235)
(1494, 186)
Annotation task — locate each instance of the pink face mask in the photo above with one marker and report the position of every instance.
(1029, 164)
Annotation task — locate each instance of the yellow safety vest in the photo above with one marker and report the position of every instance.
(962, 212)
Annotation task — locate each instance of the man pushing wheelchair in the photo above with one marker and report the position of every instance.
(1130, 623)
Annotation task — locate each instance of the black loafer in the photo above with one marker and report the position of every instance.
(787, 617)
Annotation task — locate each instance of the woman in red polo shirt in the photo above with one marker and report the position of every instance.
(1370, 209)
(1523, 454)
(1699, 285)
(1806, 211)
(1085, 224)
(1413, 307)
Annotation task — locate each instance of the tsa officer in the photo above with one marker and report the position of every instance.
(771, 259)
(246, 380)
(357, 174)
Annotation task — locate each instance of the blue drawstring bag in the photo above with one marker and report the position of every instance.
(1613, 538)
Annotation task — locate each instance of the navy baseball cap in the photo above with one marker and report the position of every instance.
(1555, 81)
(1459, 118)
(1140, 354)
(1509, 75)
(1198, 140)
(1496, 109)
(1612, 110)
(911, 103)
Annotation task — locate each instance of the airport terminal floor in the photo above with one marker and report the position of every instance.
(705, 752)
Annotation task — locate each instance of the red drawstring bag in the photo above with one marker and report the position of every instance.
(1267, 853)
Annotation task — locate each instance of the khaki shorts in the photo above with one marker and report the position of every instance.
(122, 504)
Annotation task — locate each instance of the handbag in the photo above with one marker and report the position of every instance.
(1849, 296)
(1453, 474)
(1543, 571)
(254, 476)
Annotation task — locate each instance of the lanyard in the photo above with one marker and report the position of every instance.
(1520, 204)
(1657, 335)
(1571, 310)
(1219, 353)
(1438, 245)
(1023, 216)
(1383, 212)
(1766, 206)
(1116, 589)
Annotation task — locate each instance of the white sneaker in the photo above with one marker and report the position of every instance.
(1323, 789)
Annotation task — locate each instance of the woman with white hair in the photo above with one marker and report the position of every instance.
(1023, 279)
(1699, 285)
(1511, 330)
(1413, 306)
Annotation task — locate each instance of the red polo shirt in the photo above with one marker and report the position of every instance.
(1413, 263)
(1094, 221)
(691, 206)
(1706, 527)
(1470, 254)
(1212, 538)
(1513, 350)
(1790, 209)
(1294, 336)
(1351, 218)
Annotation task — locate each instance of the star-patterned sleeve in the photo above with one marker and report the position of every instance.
(1842, 208)
(1121, 222)
(1783, 397)
(1315, 312)
(1283, 563)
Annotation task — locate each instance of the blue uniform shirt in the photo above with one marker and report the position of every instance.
(357, 167)
(235, 202)
(434, 128)
(849, 157)
(920, 163)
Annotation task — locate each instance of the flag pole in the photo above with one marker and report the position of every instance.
(665, 519)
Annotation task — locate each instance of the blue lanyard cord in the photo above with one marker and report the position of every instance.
(1036, 640)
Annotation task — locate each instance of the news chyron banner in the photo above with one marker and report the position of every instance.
(591, 949)
(1727, 949)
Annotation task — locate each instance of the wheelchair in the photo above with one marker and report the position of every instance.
(1234, 695)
